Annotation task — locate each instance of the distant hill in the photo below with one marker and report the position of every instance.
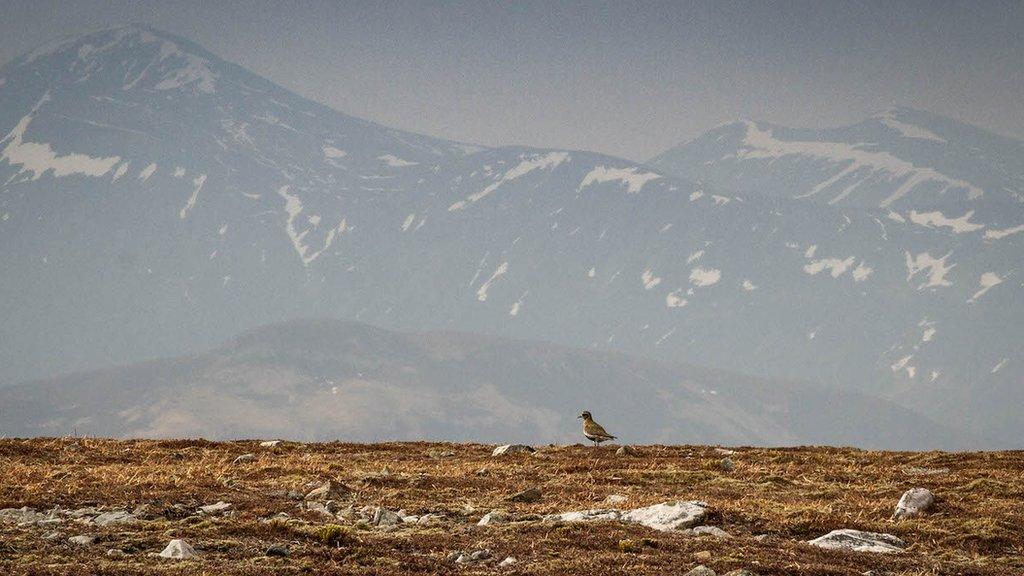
(323, 380)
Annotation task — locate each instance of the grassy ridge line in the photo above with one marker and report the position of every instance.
(791, 494)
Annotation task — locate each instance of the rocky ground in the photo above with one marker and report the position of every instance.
(83, 506)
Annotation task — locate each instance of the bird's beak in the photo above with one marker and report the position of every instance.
(580, 416)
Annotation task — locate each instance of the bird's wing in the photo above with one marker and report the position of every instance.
(598, 430)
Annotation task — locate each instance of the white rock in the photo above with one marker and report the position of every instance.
(606, 514)
(859, 541)
(83, 540)
(669, 515)
(512, 449)
(244, 458)
(217, 508)
(914, 502)
(507, 562)
(270, 444)
(179, 550)
(665, 516)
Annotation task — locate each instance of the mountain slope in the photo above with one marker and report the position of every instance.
(157, 200)
(901, 159)
(321, 380)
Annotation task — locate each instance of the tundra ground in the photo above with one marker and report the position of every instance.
(771, 502)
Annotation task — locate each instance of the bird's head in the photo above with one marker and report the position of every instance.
(585, 415)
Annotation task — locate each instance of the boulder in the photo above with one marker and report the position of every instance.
(526, 496)
(669, 515)
(179, 550)
(664, 517)
(859, 541)
(329, 490)
(513, 449)
(914, 502)
(278, 550)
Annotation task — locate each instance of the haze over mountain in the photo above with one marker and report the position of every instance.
(157, 200)
(327, 380)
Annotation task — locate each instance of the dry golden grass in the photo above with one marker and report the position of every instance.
(792, 495)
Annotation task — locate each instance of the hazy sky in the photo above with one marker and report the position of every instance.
(629, 79)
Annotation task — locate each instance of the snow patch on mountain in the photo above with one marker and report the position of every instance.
(481, 293)
(39, 158)
(147, 172)
(939, 220)
(197, 182)
(293, 207)
(761, 144)
(998, 234)
(527, 164)
(632, 178)
(988, 281)
(649, 279)
(333, 153)
(936, 267)
(395, 161)
(908, 130)
(705, 276)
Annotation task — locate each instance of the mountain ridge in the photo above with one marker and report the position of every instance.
(239, 207)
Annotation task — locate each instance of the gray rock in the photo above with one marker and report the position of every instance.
(384, 517)
(707, 531)
(278, 550)
(860, 541)
(727, 464)
(526, 496)
(914, 502)
(114, 517)
(508, 561)
(701, 570)
(461, 557)
(513, 449)
(492, 517)
(330, 490)
(83, 512)
(244, 458)
(116, 553)
(179, 550)
(217, 508)
(724, 451)
(626, 451)
(52, 535)
(270, 444)
(22, 516)
(83, 540)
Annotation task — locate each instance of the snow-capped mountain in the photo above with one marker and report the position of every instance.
(158, 200)
(901, 159)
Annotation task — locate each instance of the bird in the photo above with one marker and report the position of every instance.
(594, 431)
